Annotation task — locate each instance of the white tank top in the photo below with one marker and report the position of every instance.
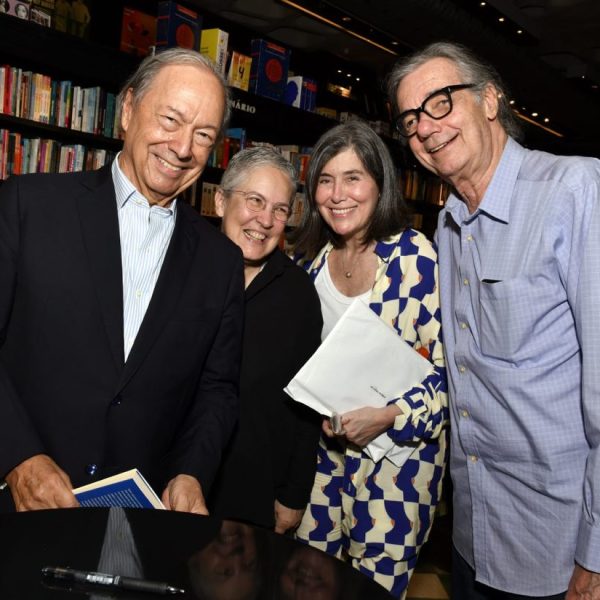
(333, 303)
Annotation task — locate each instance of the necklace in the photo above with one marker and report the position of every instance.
(348, 272)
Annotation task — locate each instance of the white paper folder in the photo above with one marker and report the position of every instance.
(362, 362)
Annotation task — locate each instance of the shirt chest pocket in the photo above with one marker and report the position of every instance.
(513, 315)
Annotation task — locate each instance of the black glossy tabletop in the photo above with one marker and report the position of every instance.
(208, 558)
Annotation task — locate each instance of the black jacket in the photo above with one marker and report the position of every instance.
(65, 389)
(273, 452)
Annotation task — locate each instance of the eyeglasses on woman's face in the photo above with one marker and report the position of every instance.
(256, 203)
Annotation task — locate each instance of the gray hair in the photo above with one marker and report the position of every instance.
(245, 161)
(139, 81)
(471, 68)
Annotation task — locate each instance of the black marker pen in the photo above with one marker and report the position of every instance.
(105, 580)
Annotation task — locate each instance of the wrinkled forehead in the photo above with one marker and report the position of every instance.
(424, 80)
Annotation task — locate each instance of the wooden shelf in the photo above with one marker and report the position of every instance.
(275, 122)
(62, 134)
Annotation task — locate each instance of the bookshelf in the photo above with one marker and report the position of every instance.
(99, 63)
(32, 128)
(26, 49)
(264, 119)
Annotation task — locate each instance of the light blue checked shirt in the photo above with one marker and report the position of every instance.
(520, 298)
(145, 233)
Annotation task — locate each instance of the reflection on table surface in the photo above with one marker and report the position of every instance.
(210, 559)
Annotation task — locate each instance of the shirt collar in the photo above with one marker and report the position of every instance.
(498, 197)
(125, 190)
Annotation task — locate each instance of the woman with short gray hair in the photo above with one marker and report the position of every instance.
(269, 466)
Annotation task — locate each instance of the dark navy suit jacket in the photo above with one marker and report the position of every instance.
(65, 389)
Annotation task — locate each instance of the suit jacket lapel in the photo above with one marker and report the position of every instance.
(100, 228)
(166, 294)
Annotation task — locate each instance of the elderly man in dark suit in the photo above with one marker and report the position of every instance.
(120, 308)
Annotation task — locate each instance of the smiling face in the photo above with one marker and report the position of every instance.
(170, 131)
(461, 146)
(346, 195)
(256, 233)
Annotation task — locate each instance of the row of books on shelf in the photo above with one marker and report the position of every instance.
(20, 155)
(233, 141)
(299, 156)
(173, 25)
(236, 139)
(263, 71)
(40, 98)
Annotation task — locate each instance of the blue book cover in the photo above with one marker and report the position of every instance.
(177, 25)
(127, 490)
(269, 69)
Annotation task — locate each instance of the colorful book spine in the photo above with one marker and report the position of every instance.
(3, 69)
(213, 45)
(308, 99)
(77, 108)
(239, 71)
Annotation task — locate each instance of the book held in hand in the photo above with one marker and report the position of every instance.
(338, 379)
(127, 490)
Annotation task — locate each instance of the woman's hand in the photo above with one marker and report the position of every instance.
(326, 428)
(286, 518)
(363, 425)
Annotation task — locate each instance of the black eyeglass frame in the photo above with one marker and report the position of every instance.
(448, 90)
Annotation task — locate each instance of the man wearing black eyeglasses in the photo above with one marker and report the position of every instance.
(519, 248)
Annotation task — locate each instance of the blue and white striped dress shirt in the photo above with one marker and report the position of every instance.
(145, 233)
(520, 298)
